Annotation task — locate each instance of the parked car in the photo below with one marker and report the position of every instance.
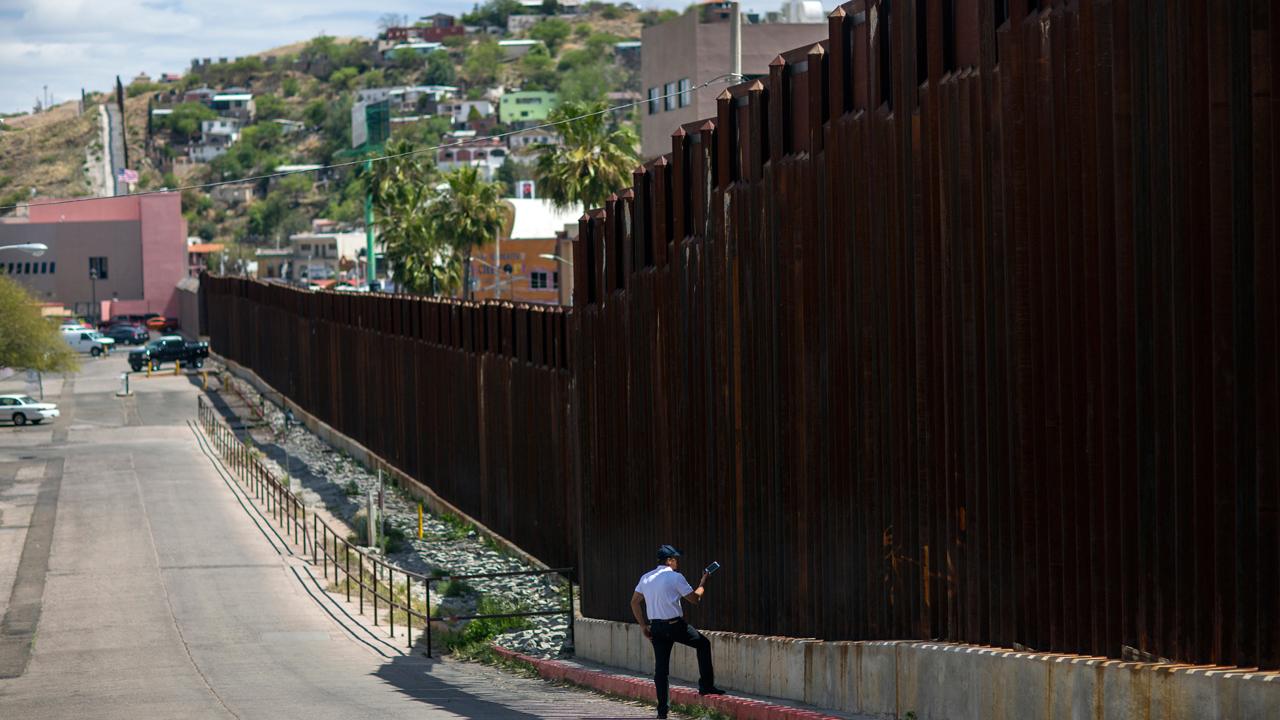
(90, 341)
(160, 323)
(128, 333)
(170, 348)
(20, 409)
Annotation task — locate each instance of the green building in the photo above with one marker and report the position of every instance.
(527, 107)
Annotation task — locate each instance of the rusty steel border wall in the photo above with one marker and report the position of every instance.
(961, 324)
(471, 399)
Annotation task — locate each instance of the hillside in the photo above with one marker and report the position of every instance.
(46, 152)
(303, 93)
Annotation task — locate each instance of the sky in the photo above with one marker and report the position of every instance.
(72, 44)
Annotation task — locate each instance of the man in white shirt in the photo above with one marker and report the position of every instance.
(658, 595)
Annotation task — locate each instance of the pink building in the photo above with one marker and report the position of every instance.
(130, 250)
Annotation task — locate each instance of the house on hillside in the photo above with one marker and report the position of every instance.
(484, 154)
(516, 49)
(409, 98)
(526, 107)
(235, 102)
(563, 7)
(429, 28)
(198, 254)
(224, 127)
(238, 193)
(524, 272)
(459, 111)
(525, 140)
(419, 48)
(203, 95)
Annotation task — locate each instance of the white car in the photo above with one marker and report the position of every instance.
(20, 410)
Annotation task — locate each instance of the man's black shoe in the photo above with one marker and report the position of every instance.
(662, 715)
(711, 691)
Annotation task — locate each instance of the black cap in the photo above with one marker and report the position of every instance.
(668, 551)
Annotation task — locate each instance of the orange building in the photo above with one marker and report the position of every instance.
(536, 264)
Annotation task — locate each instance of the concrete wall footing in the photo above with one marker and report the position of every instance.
(945, 681)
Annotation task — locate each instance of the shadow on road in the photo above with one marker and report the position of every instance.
(413, 677)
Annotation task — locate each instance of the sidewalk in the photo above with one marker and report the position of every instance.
(628, 684)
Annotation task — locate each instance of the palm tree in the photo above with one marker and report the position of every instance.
(402, 196)
(467, 212)
(593, 161)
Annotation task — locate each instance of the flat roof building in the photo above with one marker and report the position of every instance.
(135, 246)
(685, 52)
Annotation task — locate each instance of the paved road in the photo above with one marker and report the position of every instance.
(134, 584)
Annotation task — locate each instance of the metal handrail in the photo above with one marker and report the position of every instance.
(290, 513)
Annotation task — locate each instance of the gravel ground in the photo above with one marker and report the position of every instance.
(326, 474)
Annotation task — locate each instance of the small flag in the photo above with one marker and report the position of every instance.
(127, 176)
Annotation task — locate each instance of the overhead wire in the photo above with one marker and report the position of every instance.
(727, 77)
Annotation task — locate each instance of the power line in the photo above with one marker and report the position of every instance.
(728, 77)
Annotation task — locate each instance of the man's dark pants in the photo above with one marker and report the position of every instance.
(664, 635)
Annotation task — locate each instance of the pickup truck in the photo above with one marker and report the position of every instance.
(170, 348)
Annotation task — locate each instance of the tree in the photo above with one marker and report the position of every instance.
(269, 107)
(587, 83)
(402, 195)
(592, 161)
(552, 32)
(27, 340)
(468, 212)
(538, 70)
(390, 20)
(186, 118)
(493, 13)
(440, 69)
(344, 78)
(483, 62)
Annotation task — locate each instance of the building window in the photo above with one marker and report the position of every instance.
(555, 279)
(686, 94)
(538, 280)
(44, 268)
(670, 92)
(98, 265)
(26, 268)
(53, 267)
(655, 105)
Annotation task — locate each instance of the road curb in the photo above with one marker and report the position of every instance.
(640, 689)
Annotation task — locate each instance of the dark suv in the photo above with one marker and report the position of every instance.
(127, 333)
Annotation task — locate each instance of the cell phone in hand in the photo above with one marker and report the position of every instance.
(714, 566)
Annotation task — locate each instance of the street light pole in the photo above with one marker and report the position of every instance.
(36, 249)
(93, 282)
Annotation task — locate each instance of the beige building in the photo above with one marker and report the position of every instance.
(694, 48)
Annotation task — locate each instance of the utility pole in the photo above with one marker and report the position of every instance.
(735, 41)
(371, 263)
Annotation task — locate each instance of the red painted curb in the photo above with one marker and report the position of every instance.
(638, 689)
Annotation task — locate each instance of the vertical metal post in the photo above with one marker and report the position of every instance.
(569, 647)
(408, 613)
(426, 587)
(391, 599)
(360, 567)
(371, 262)
(348, 568)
